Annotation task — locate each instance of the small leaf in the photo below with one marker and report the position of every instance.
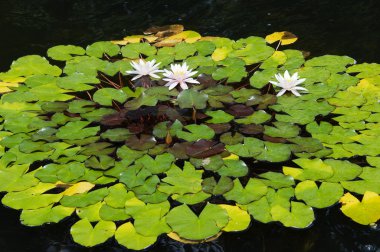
(284, 37)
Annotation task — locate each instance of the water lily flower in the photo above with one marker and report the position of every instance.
(288, 83)
(179, 74)
(143, 68)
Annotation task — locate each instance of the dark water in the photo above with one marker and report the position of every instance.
(343, 27)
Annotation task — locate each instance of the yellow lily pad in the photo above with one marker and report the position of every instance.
(286, 38)
(365, 212)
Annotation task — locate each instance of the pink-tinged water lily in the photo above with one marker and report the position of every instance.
(143, 68)
(179, 74)
(288, 83)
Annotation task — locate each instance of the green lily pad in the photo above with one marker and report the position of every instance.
(160, 164)
(32, 198)
(183, 181)
(64, 52)
(188, 225)
(16, 178)
(76, 130)
(84, 199)
(190, 98)
(133, 51)
(109, 213)
(87, 235)
(257, 118)
(191, 198)
(127, 236)
(219, 116)
(196, 132)
(49, 214)
(277, 180)
(32, 65)
(282, 129)
(325, 195)
(233, 168)
(97, 49)
(224, 185)
(254, 190)
(91, 213)
(313, 169)
(105, 96)
(298, 216)
(116, 135)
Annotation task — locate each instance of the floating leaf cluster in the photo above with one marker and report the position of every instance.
(134, 160)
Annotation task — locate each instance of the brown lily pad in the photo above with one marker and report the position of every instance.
(219, 128)
(274, 139)
(240, 110)
(251, 129)
(179, 150)
(113, 119)
(204, 148)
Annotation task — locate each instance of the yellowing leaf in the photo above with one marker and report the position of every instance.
(4, 87)
(232, 157)
(220, 53)
(80, 187)
(286, 38)
(187, 36)
(135, 39)
(365, 212)
(239, 219)
(165, 31)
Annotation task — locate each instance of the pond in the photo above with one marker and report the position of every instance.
(323, 27)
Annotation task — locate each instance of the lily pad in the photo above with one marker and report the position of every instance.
(323, 196)
(298, 216)
(365, 212)
(127, 236)
(87, 235)
(190, 226)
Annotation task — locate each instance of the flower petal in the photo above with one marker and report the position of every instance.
(295, 92)
(282, 91)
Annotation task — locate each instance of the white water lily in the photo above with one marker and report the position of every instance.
(143, 68)
(179, 74)
(288, 83)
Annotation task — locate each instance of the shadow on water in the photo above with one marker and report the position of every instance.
(347, 27)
